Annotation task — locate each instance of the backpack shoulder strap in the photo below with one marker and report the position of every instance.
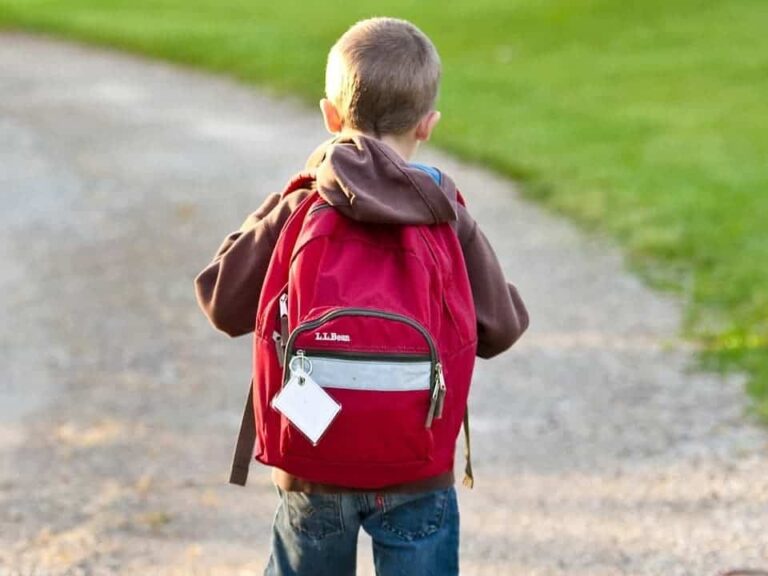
(246, 439)
(469, 477)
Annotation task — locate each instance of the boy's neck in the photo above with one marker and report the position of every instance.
(405, 145)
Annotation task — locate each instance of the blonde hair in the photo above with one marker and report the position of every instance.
(382, 75)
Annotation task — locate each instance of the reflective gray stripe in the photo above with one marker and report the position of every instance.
(370, 375)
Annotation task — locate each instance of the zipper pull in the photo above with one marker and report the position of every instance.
(438, 396)
(432, 407)
(283, 342)
(279, 350)
(441, 389)
(300, 371)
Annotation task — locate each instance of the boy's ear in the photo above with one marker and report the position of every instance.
(331, 116)
(426, 125)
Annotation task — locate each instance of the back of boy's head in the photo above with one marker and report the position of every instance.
(382, 76)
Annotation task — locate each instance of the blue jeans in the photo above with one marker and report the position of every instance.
(413, 534)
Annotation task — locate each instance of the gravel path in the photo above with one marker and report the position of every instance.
(599, 450)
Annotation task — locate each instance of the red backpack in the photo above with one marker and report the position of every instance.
(382, 317)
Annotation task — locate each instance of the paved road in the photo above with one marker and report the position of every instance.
(600, 450)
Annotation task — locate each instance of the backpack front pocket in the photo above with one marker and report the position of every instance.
(386, 395)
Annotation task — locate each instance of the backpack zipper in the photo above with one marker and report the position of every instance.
(342, 355)
(373, 313)
(437, 382)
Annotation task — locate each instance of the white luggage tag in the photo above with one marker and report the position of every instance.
(304, 402)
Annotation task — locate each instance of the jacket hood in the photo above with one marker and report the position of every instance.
(367, 181)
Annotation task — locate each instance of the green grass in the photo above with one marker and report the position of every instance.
(645, 119)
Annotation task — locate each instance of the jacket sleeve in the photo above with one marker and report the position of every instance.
(228, 289)
(501, 315)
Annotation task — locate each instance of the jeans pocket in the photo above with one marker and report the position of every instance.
(415, 516)
(315, 516)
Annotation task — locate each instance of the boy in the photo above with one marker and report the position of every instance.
(381, 85)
